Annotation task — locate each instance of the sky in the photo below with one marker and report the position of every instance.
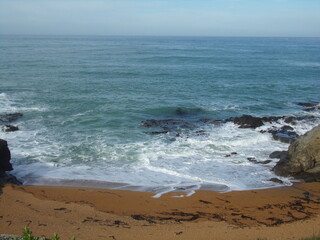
(284, 18)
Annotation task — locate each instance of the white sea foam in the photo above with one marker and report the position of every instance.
(164, 167)
(218, 159)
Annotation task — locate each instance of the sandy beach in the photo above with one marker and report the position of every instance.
(88, 213)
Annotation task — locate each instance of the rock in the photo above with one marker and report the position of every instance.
(265, 162)
(158, 132)
(306, 104)
(279, 154)
(253, 160)
(229, 155)
(303, 156)
(8, 178)
(309, 106)
(284, 134)
(9, 128)
(167, 125)
(5, 165)
(5, 156)
(10, 117)
(201, 133)
(211, 121)
(247, 121)
(272, 119)
(293, 120)
(276, 180)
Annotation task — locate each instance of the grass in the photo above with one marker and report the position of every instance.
(27, 235)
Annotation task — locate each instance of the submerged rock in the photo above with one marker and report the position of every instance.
(309, 106)
(9, 128)
(167, 125)
(10, 117)
(303, 157)
(284, 134)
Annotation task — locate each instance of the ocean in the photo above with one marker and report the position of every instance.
(85, 101)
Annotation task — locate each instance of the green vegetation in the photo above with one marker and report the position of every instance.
(27, 235)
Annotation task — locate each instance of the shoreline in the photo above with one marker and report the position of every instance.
(92, 213)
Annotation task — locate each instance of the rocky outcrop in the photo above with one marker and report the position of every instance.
(310, 106)
(5, 156)
(247, 121)
(5, 165)
(303, 158)
(9, 128)
(285, 134)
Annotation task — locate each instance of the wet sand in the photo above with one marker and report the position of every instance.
(88, 213)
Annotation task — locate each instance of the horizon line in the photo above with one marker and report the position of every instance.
(147, 35)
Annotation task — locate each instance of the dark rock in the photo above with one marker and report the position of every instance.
(290, 119)
(9, 128)
(272, 119)
(167, 125)
(276, 180)
(279, 154)
(201, 133)
(309, 106)
(8, 178)
(5, 156)
(303, 156)
(284, 134)
(309, 176)
(247, 121)
(252, 159)
(286, 128)
(163, 123)
(159, 132)
(293, 120)
(10, 117)
(182, 111)
(212, 121)
(265, 162)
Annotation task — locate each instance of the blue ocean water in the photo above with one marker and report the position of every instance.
(84, 98)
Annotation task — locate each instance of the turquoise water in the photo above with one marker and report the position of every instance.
(84, 98)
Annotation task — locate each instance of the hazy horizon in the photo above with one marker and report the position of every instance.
(216, 18)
